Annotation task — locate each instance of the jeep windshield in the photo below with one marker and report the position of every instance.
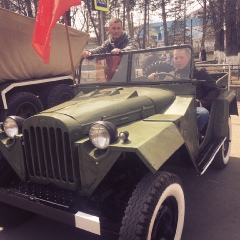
(142, 66)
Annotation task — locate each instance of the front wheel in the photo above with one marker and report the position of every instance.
(156, 209)
(222, 157)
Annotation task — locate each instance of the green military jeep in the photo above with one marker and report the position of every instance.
(101, 160)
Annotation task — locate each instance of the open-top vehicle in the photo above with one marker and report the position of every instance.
(104, 156)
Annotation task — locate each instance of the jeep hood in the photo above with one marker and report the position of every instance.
(118, 105)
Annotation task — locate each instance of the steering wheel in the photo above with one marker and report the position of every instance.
(165, 74)
(159, 67)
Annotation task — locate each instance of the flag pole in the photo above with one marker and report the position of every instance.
(69, 47)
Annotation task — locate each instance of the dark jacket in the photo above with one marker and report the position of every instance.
(125, 42)
(206, 89)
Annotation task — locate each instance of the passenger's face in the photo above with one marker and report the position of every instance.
(181, 59)
(115, 29)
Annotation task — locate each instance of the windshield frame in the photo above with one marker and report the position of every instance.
(129, 62)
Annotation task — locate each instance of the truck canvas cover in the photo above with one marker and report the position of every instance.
(19, 61)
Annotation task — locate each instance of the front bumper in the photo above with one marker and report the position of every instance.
(43, 204)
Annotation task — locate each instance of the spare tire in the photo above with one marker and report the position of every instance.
(56, 95)
(158, 66)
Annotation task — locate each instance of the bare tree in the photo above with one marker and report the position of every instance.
(238, 27)
(231, 32)
(164, 18)
(217, 14)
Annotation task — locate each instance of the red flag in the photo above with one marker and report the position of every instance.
(49, 11)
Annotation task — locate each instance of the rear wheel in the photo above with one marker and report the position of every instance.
(24, 104)
(222, 157)
(56, 95)
(156, 209)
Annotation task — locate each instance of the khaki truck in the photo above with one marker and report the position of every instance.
(27, 85)
(104, 160)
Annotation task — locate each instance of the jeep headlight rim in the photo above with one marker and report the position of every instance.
(102, 134)
(13, 126)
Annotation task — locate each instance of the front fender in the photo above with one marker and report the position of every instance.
(154, 141)
(12, 151)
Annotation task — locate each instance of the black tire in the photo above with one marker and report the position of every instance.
(158, 66)
(43, 96)
(7, 175)
(56, 95)
(24, 104)
(222, 157)
(155, 210)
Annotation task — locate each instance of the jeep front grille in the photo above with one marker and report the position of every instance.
(49, 155)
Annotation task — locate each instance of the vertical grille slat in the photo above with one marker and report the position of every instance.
(46, 149)
(61, 162)
(49, 154)
(53, 152)
(68, 158)
(40, 153)
(34, 156)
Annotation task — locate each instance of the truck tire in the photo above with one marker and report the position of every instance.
(24, 104)
(56, 95)
(155, 210)
(222, 157)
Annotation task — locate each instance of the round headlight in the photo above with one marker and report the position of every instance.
(13, 126)
(102, 134)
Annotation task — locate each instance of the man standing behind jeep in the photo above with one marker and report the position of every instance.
(118, 40)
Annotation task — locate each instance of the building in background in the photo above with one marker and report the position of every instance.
(176, 34)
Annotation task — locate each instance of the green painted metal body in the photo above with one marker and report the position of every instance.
(160, 117)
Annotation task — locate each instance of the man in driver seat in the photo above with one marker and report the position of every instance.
(206, 91)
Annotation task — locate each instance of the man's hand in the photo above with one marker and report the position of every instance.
(86, 54)
(116, 51)
(198, 101)
(152, 76)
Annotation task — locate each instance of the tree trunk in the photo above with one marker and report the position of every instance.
(238, 29)
(95, 23)
(231, 32)
(204, 22)
(29, 8)
(164, 18)
(35, 3)
(68, 19)
(130, 30)
(5, 4)
(217, 9)
(145, 23)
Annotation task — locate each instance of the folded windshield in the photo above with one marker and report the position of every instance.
(160, 64)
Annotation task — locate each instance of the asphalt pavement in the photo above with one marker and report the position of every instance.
(212, 207)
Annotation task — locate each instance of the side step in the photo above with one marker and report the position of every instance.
(208, 153)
